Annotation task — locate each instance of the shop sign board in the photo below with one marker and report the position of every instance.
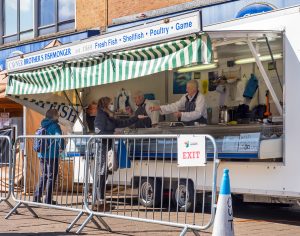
(254, 8)
(153, 32)
(191, 150)
(4, 119)
(67, 115)
(4, 115)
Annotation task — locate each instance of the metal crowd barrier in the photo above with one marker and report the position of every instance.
(49, 178)
(148, 185)
(130, 177)
(5, 169)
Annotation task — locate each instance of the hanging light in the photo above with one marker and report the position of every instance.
(197, 68)
(262, 58)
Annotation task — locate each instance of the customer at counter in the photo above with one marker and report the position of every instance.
(190, 108)
(105, 123)
(143, 108)
(91, 113)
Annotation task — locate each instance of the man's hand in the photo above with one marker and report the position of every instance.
(154, 108)
(142, 117)
(177, 114)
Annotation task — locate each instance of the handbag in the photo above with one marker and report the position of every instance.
(112, 161)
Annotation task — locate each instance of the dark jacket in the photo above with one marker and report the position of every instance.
(107, 124)
(144, 123)
(54, 145)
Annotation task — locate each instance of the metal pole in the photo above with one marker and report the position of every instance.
(70, 103)
(273, 61)
(265, 76)
(24, 144)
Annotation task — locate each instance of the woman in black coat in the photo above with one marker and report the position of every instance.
(106, 124)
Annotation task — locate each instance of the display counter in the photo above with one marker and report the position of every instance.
(254, 141)
(234, 142)
(214, 130)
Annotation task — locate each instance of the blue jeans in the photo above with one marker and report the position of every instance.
(49, 171)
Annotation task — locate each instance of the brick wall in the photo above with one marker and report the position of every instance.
(92, 13)
(119, 8)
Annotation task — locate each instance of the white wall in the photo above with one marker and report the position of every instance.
(274, 178)
(149, 84)
(157, 84)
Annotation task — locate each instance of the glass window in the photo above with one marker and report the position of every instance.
(18, 18)
(66, 10)
(26, 15)
(48, 30)
(10, 39)
(46, 12)
(66, 26)
(10, 17)
(26, 35)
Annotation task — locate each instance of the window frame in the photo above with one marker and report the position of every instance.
(35, 27)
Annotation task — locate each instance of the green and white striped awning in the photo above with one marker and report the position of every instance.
(111, 67)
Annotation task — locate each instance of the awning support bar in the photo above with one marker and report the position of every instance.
(273, 61)
(265, 76)
(78, 96)
(71, 104)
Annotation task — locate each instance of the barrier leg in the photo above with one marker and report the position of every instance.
(9, 204)
(196, 232)
(104, 224)
(184, 231)
(13, 210)
(96, 223)
(74, 222)
(31, 211)
(84, 224)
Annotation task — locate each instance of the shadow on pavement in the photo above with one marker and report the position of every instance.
(39, 233)
(267, 212)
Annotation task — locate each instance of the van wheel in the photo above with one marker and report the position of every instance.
(183, 195)
(150, 192)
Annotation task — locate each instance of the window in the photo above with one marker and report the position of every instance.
(24, 19)
(10, 20)
(56, 15)
(66, 10)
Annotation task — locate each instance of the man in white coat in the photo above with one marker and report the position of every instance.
(190, 108)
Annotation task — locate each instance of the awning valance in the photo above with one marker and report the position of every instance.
(112, 67)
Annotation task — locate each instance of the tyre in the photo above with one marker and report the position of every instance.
(183, 195)
(150, 192)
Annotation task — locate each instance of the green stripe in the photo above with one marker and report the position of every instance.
(98, 71)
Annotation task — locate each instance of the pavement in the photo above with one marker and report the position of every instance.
(250, 219)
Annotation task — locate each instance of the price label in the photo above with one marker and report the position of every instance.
(230, 144)
(249, 142)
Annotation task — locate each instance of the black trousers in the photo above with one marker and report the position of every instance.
(100, 189)
(49, 171)
(103, 146)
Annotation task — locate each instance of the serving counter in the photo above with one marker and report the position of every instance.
(247, 141)
(214, 130)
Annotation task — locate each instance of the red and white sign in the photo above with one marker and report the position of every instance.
(191, 150)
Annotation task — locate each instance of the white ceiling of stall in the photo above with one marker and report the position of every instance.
(233, 44)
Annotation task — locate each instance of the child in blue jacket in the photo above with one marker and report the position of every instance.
(49, 158)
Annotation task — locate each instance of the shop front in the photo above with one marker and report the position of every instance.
(240, 73)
